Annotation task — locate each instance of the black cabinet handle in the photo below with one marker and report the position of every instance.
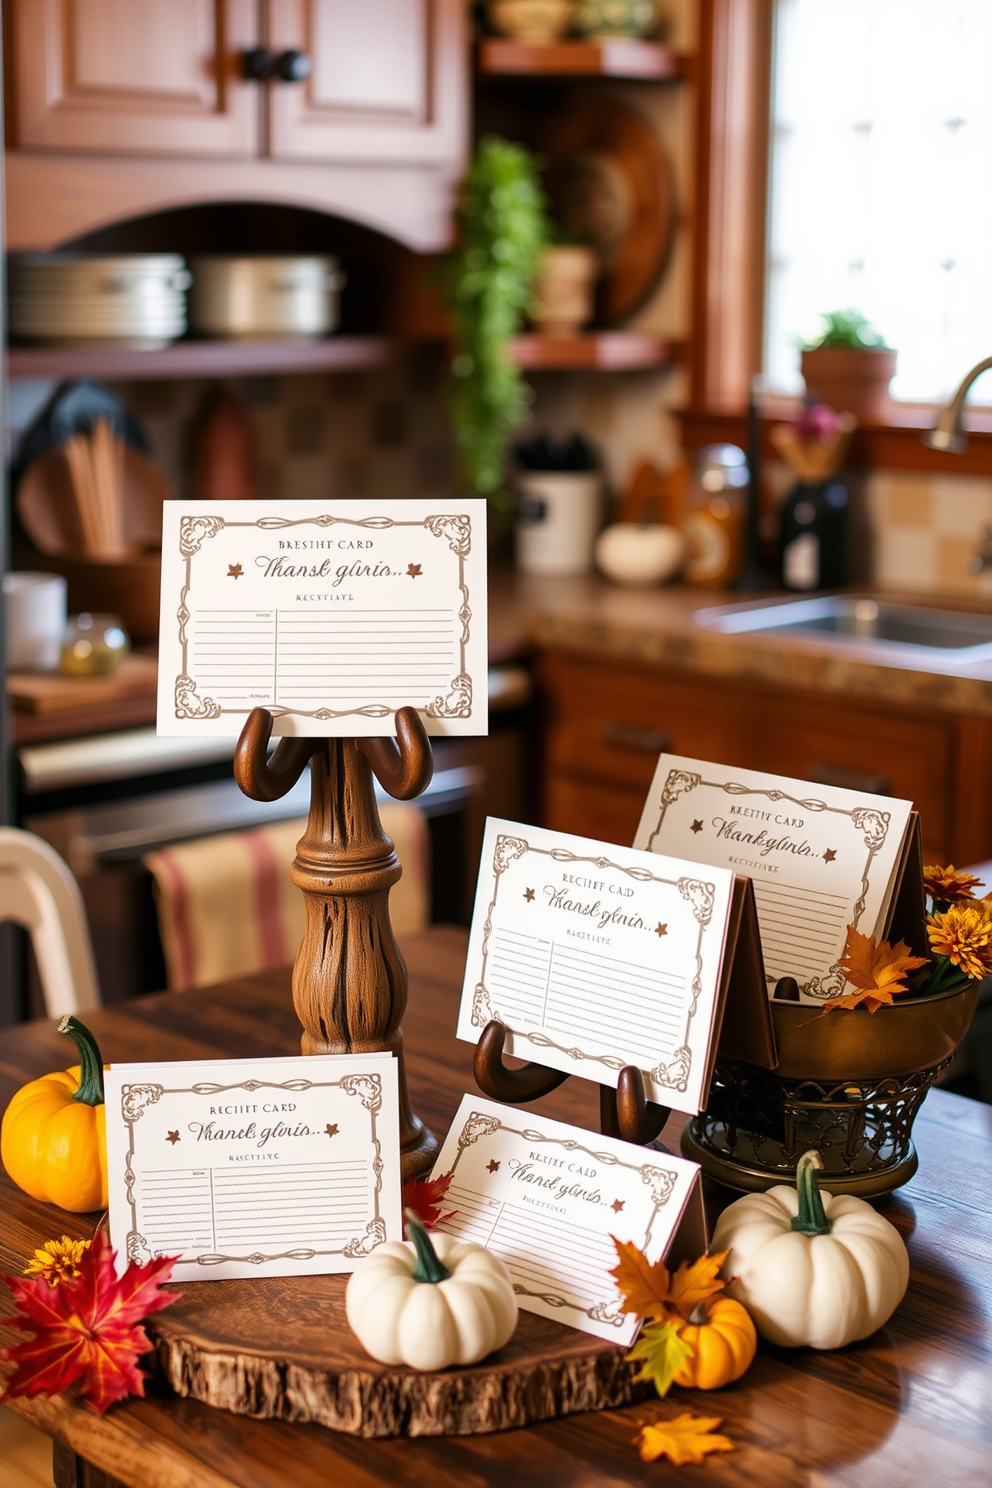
(859, 780)
(631, 736)
(260, 65)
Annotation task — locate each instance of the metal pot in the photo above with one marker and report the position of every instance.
(251, 298)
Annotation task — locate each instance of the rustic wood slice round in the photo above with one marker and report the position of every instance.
(280, 1348)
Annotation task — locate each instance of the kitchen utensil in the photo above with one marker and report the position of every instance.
(136, 299)
(47, 511)
(611, 186)
(224, 452)
(265, 295)
(34, 620)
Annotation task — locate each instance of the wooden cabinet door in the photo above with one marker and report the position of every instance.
(131, 77)
(389, 81)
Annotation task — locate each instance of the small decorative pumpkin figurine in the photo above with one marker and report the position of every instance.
(428, 1304)
(53, 1136)
(723, 1342)
(816, 1270)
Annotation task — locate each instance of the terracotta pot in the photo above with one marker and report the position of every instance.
(852, 381)
(535, 22)
(564, 290)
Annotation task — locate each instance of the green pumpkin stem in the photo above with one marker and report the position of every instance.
(90, 1092)
(811, 1220)
(429, 1267)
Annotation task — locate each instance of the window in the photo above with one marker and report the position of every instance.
(881, 149)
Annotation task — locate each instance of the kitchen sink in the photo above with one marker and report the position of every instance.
(856, 621)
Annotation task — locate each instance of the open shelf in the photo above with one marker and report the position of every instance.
(203, 358)
(615, 57)
(615, 351)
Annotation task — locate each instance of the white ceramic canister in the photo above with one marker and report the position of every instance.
(558, 517)
(34, 620)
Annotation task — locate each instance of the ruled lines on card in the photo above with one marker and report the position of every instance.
(803, 931)
(546, 1256)
(603, 1000)
(188, 1211)
(333, 656)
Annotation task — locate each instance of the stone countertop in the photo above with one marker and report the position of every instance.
(655, 627)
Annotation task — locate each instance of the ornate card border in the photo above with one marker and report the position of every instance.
(661, 1181)
(368, 1087)
(872, 823)
(456, 530)
(696, 891)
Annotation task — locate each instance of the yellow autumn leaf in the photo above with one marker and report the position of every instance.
(661, 1354)
(685, 1438)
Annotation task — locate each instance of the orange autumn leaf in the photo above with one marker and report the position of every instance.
(643, 1285)
(649, 1290)
(685, 1438)
(875, 969)
(697, 1283)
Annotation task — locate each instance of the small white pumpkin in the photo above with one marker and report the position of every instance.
(816, 1270)
(428, 1305)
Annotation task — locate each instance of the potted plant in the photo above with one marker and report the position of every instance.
(503, 229)
(849, 367)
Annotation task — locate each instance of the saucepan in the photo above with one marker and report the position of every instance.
(259, 296)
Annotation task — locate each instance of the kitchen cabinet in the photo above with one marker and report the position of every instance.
(117, 109)
(607, 721)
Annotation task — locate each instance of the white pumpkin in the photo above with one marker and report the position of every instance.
(428, 1305)
(821, 1271)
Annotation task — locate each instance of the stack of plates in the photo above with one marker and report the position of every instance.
(135, 299)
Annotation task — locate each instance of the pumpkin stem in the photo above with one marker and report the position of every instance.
(90, 1092)
(429, 1267)
(811, 1219)
(699, 1314)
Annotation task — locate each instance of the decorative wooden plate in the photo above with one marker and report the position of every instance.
(280, 1348)
(610, 183)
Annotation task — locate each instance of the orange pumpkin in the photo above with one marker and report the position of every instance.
(53, 1136)
(723, 1342)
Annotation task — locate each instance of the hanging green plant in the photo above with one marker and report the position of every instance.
(503, 228)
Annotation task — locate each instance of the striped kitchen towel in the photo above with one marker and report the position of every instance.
(227, 906)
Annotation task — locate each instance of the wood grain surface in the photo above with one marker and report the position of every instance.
(911, 1405)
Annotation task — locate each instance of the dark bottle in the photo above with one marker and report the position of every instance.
(814, 536)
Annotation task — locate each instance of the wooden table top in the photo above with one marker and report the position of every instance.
(911, 1405)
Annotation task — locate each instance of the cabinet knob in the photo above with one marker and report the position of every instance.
(260, 65)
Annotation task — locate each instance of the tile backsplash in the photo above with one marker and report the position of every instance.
(926, 529)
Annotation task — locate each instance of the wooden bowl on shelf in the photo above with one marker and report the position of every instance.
(127, 587)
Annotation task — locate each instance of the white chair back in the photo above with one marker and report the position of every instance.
(38, 891)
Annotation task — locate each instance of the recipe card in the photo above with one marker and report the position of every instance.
(596, 956)
(331, 614)
(254, 1167)
(821, 858)
(547, 1198)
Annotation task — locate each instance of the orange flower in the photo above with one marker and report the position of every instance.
(948, 885)
(963, 934)
(57, 1260)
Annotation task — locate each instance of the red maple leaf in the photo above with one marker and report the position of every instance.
(424, 1195)
(86, 1328)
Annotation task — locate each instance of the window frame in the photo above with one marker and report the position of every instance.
(733, 117)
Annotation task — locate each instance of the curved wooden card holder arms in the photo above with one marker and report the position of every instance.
(624, 1113)
(349, 980)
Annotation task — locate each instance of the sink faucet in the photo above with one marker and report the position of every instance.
(947, 433)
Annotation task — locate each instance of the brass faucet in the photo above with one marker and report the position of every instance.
(947, 435)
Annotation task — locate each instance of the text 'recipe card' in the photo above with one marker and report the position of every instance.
(331, 614)
(820, 858)
(254, 1167)
(596, 956)
(546, 1198)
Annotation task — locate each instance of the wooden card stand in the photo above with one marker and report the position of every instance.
(742, 1029)
(349, 980)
